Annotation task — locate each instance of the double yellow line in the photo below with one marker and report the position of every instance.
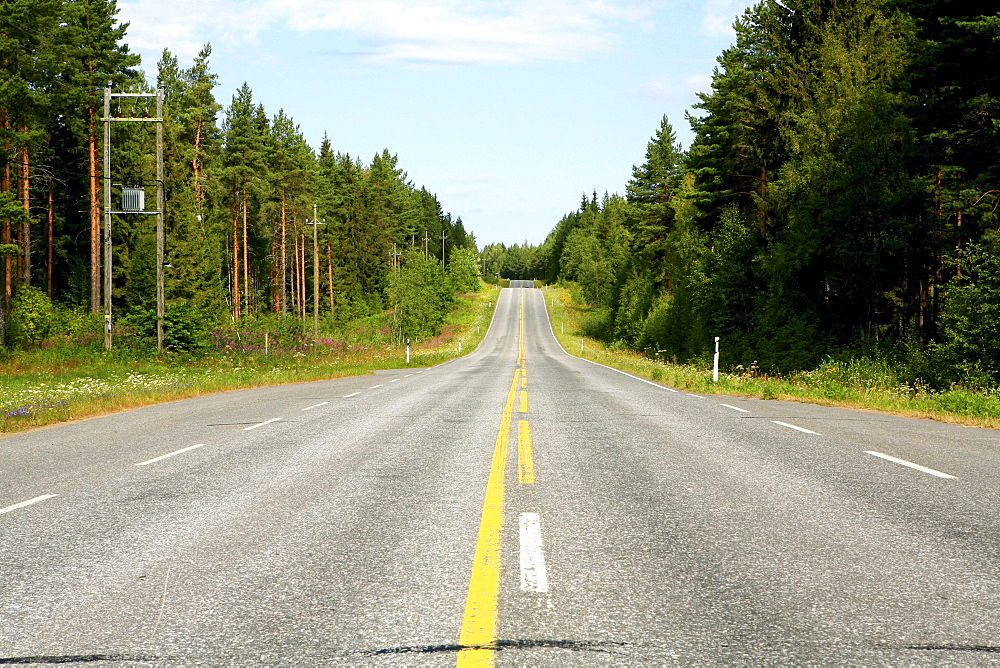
(479, 624)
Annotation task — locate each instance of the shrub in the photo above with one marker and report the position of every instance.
(185, 329)
(31, 317)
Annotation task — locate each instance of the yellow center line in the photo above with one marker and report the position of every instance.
(479, 623)
(525, 463)
(524, 401)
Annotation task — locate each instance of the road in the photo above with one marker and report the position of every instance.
(513, 506)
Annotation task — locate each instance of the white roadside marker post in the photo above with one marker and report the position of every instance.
(715, 364)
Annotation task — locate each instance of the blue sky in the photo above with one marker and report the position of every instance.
(509, 111)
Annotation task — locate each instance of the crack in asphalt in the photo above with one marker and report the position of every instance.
(76, 658)
(604, 646)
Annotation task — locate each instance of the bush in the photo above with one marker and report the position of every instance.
(970, 324)
(463, 271)
(185, 329)
(31, 317)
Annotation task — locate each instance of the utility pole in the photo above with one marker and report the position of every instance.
(443, 237)
(107, 217)
(315, 223)
(426, 253)
(160, 231)
(133, 207)
(394, 254)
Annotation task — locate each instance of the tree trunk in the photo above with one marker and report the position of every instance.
(295, 273)
(194, 168)
(302, 275)
(48, 259)
(246, 253)
(236, 257)
(284, 256)
(5, 238)
(26, 225)
(95, 217)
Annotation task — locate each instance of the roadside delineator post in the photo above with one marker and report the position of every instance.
(715, 364)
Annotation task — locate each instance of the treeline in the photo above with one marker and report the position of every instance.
(840, 197)
(243, 190)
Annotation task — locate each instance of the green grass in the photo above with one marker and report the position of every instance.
(64, 382)
(861, 383)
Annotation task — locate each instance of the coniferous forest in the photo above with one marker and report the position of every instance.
(839, 198)
(242, 190)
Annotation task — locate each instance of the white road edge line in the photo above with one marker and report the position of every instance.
(407, 375)
(43, 497)
(395, 380)
(736, 408)
(696, 396)
(261, 424)
(309, 408)
(584, 359)
(374, 386)
(171, 454)
(792, 426)
(533, 575)
(903, 462)
(352, 394)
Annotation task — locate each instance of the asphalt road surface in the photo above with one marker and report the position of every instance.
(513, 506)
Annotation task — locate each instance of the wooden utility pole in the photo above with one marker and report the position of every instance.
(108, 120)
(329, 269)
(107, 218)
(160, 230)
(315, 223)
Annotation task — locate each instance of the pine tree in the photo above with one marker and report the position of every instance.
(26, 62)
(95, 56)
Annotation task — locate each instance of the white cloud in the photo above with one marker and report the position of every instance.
(184, 26)
(398, 31)
(698, 83)
(683, 92)
(719, 15)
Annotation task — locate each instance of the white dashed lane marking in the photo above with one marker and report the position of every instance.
(261, 424)
(171, 454)
(29, 502)
(792, 426)
(533, 573)
(903, 462)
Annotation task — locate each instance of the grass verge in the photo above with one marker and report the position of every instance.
(858, 384)
(47, 386)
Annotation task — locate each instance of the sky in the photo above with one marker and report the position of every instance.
(508, 110)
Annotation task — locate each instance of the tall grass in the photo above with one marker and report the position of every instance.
(863, 382)
(71, 379)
